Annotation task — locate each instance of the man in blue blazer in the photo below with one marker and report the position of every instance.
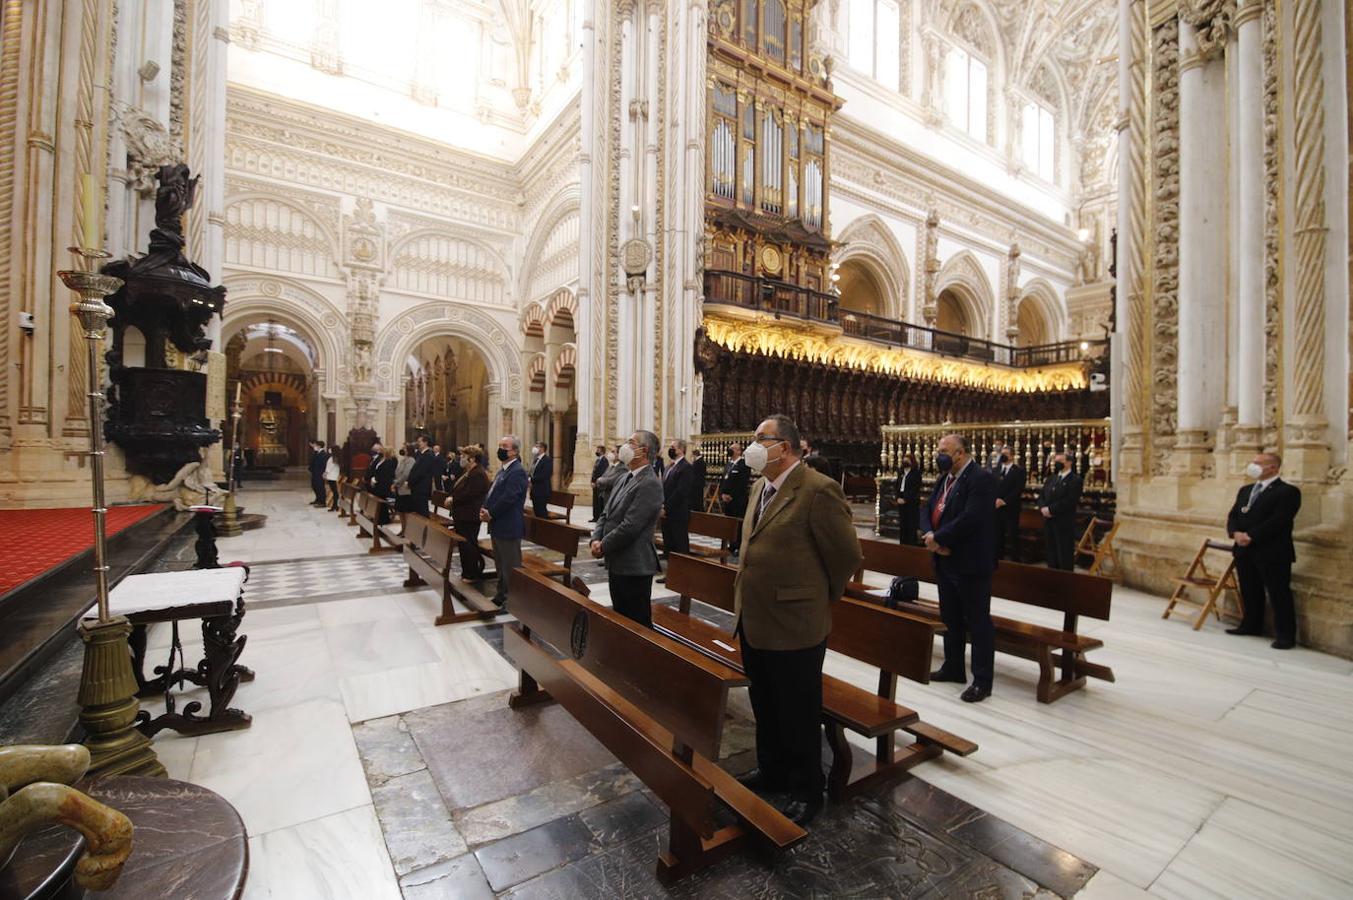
(961, 536)
(503, 512)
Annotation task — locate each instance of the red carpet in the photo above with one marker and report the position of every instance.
(35, 540)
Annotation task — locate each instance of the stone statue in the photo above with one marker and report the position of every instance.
(191, 485)
(35, 792)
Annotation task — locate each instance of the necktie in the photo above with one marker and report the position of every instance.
(1254, 494)
(766, 496)
(938, 512)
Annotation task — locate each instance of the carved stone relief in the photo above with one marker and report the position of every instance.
(1165, 310)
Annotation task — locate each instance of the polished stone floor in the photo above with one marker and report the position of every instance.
(1215, 766)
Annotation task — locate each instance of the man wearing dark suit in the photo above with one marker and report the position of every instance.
(733, 486)
(907, 498)
(426, 467)
(598, 469)
(542, 476)
(798, 551)
(1010, 480)
(699, 472)
(503, 511)
(623, 535)
(372, 464)
(319, 458)
(1058, 501)
(676, 500)
(961, 539)
(1260, 523)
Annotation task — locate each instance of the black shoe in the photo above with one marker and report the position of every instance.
(975, 693)
(802, 810)
(941, 675)
(1242, 630)
(758, 781)
(1281, 644)
(662, 580)
(501, 604)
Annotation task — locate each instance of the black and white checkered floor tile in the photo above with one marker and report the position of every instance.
(314, 577)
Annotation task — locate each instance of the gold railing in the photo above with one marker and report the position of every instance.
(1085, 441)
(716, 448)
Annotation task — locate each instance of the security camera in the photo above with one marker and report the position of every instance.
(27, 323)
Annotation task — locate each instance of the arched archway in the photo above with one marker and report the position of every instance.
(1040, 316)
(446, 382)
(861, 290)
(271, 369)
(870, 245)
(962, 276)
(952, 314)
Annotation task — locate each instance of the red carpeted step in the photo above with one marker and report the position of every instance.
(35, 540)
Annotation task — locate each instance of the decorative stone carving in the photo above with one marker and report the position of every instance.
(1273, 336)
(1165, 312)
(1212, 19)
(1012, 293)
(932, 266)
(149, 146)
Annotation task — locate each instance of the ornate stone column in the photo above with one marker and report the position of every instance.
(1129, 352)
(1012, 294)
(1202, 194)
(1306, 438)
(1249, 252)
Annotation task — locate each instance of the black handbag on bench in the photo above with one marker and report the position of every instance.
(903, 589)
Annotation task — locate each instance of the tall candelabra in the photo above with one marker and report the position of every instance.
(107, 697)
(230, 524)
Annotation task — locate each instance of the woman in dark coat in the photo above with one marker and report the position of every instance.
(383, 480)
(467, 497)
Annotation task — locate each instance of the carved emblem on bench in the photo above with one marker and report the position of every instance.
(577, 639)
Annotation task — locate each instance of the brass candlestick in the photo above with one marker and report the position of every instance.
(230, 525)
(107, 697)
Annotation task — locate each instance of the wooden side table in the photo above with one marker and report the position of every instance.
(216, 596)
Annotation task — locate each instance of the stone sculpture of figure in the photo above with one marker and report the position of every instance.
(173, 198)
(191, 485)
(35, 792)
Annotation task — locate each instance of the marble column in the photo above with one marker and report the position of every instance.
(1128, 348)
(1202, 255)
(1249, 249)
(557, 448)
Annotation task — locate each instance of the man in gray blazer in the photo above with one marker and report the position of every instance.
(624, 530)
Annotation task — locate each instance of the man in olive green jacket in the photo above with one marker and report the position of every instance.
(799, 549)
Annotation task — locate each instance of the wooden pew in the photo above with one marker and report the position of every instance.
(368, 507)
(725, 528)
(1070, 593)
(429, 547)
(894, 642)
(347, 497)
(557, 536)
(563, 499)
(657, 705)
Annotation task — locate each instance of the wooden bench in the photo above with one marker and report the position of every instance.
(657, 705)
(557, 536)
(429, 547)
(563, 499)
(347, 499)
(726, 528)
(1070, 593)
(894, 642)
(368, 517)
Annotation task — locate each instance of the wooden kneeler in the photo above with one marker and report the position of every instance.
(1214, 583)
(1101, 551)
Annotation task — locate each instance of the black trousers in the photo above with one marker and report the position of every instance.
(471, 560)
(1272, 577)
(632, 596)
(1007, 533)
(333, 495)
(906, 523)
(1061, 541)
(317, 485)
(421, 502)
(676, 534)
(541, 506)
(965, 607)
(786, 695)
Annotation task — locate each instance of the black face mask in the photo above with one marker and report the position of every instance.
(671, 454)
(502, 455)
(1059, 466)
(944, 462)
(1005, 457)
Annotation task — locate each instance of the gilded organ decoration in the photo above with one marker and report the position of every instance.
(768, 127)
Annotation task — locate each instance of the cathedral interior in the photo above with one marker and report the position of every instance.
(1112, 232)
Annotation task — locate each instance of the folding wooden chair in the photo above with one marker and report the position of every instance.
(713, 503)
(1101, 551)
(1216, 584)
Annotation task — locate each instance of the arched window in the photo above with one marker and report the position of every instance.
(1039, 140)
(874, 40)
(965, 92)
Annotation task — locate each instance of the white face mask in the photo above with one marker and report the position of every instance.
(610, 457)
(626, 454)
(1254, 470)
(756, 457)
(535, 451)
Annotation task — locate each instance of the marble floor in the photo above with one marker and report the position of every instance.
(1215, 766)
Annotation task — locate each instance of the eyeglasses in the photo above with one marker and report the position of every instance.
(773, 438)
